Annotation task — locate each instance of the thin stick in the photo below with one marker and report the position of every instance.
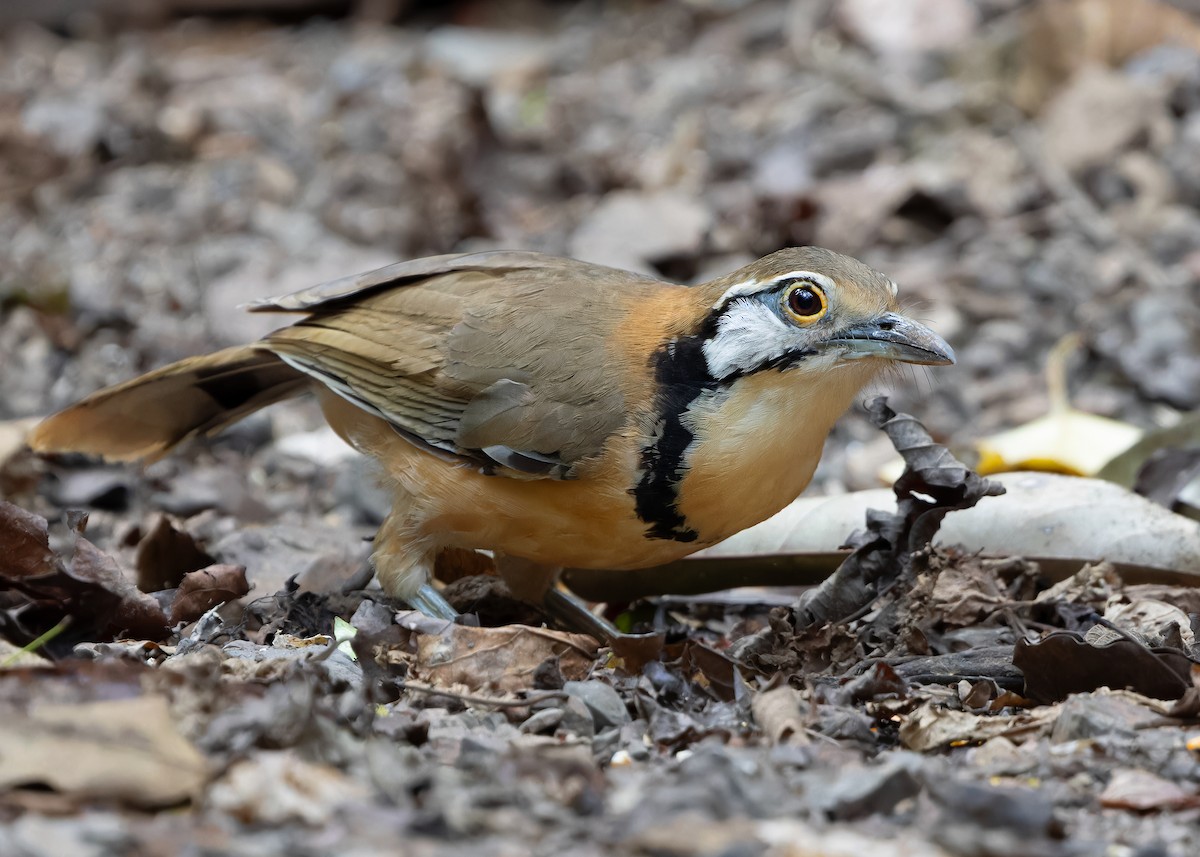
(38, 642)
(484, 700)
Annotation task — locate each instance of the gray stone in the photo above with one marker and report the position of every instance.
(630, 230)
(477, 56)
(873, 789)
(602, 700)
(542, 721)
(577, 718)
(321, 557)
(1096, 116)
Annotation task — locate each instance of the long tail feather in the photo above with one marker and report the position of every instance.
(147, 416)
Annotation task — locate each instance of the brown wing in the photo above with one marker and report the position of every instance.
(499, 359)
(402, 273)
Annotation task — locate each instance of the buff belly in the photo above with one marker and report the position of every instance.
(584, 523)
(758, 463)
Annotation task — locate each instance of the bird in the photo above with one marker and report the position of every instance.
(556, 412)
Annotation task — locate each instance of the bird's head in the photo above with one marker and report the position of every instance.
(750, 382)
(810, 310)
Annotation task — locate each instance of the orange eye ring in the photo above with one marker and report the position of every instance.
(805, 302)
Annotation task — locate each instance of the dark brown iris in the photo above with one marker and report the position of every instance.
(805, 302)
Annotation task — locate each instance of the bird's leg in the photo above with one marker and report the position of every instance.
(430, 602)
(572, 612)
(534, 583)
(403, 561)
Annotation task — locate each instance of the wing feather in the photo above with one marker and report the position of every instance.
(499, 359)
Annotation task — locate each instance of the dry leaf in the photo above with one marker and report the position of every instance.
(134, 613)
(934, 484)
(498, 660)
(276, 788)
(1064, 441)
(777, 713)
(1042, 515)
(91, 587)
(1157, 622)
(24, 543)
(165, 555)
(204, 589)
(932, 727)
(126, 750)
(1143, 791)
(1064, 662)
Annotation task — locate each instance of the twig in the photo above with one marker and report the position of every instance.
(870, 605)
(484, 700)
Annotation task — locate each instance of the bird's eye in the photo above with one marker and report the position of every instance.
(805, 303)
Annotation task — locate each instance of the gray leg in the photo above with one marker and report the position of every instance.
(535, 583)
(573, 613)
(430, 602)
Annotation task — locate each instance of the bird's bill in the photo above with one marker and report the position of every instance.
(895, 337)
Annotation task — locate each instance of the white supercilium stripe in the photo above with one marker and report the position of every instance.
(753, 286)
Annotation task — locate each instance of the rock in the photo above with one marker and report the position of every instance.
(361, 487)
(259, 277)
(1144, 791)
(70, 126)
(602, 700)
(869, 790)
(28, 364)
(1099, 714)
(278, 787)
(784, 171)
(338, 665)
(900, 31)
(853, 208)
(849, 140)
(994, 176)
(542, 721)
(577, 718)
(220, 486)
(1065, 264)
(1162, 357)
(1097, 115)
(630, 229)
(321, 446)
(476, 56)
(96, 487)
(321, 557)
(1016, 812)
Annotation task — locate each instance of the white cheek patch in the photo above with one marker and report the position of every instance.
(748, 335)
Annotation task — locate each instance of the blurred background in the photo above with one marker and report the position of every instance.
(1025, 170)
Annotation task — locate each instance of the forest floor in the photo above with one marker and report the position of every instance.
(1020, 178)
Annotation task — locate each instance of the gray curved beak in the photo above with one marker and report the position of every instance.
(895, 337)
